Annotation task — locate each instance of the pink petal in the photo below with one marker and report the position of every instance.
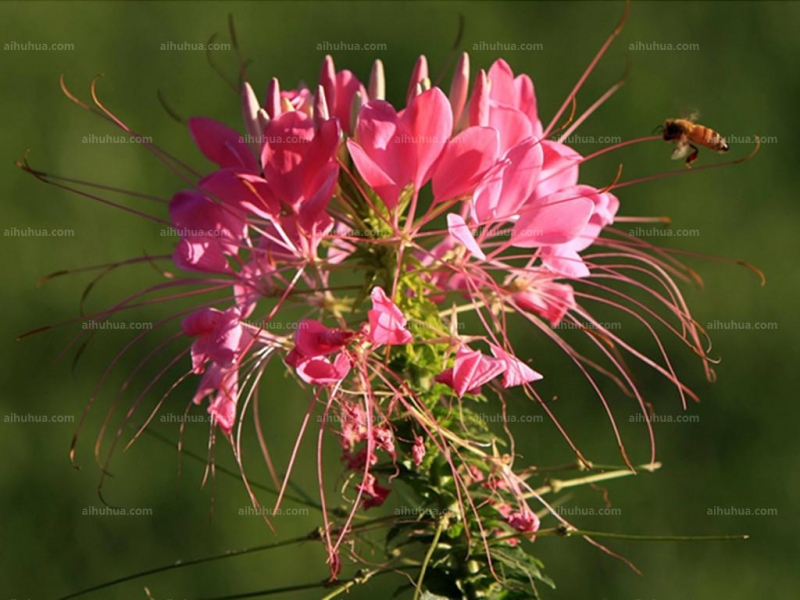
(516, 372)
(201, 257)
(385, 187)
(511, 124)
(241, 192)
(464, 161)
(222, 145)
(321, 371)
(473, 369)
(479, 102)
(459, 88)
(312, 338)
(199, 219)
(509, 185)
(470, 371)
(560, 169)
(297, 158)
(428, 122)
(546, 298)
(387, 325)
(459, 230)
(347, 85)
(565, 262)
(556, 219)
(223, 409)
(502, 83)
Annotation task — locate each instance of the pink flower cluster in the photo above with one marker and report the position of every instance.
(267, 209)
(458, 198)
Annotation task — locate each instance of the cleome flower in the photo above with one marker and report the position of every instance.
(377, 230)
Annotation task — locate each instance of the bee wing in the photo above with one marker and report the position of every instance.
(691, 114)
(681, 150)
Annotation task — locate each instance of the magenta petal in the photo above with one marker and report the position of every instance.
(517, 93)
(321, 371)
(511, 124)
(222, 145)
(202, 257)
(312, 338)
(202, 321)
(394, 150)
(524, 164)
(199, 219)
(557, 219)
(427, 123)
(565, 262)
(386, 188)
(516, 372)
(471, 370)
(347, 85)
(546, 298)
(241, 191)
(459, 230)
(464, 161)
(478, 108)
(502, 89)
(224, 385)
(526, 102)
(488, 193)
(223, 410)
(387, 325)
(560, 168)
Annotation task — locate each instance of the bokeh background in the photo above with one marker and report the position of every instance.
(739, 454)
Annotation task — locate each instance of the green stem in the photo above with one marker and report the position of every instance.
(428, 557)
(562, 531)
(568, 532)
(310, 537)
(556, 485)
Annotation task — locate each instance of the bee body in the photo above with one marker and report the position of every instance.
(687, 135)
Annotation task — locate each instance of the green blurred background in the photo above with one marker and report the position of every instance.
(741, 452)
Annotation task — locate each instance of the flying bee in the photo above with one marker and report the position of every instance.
(685, 133)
